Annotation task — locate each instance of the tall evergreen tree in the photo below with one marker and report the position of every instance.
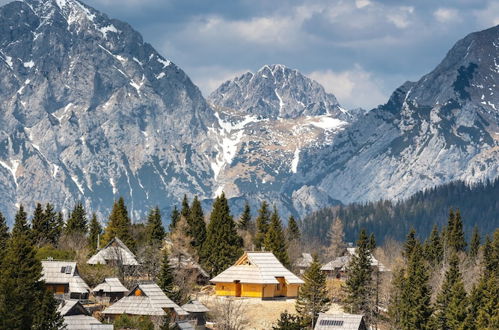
(223, 246)
(245, 220)
(433, 247)
(455, 240)
(416, 294)
(474, 243)
(372, 243)
(77, 222)
(55, 225)
(451, 305)
(359, 285)
(47, 316)
(396, 304)
(4, 238)
(293, 230)
(313, 296)
(262, 224)
(94, 233)
(166, 278)
(40, 225)
(410, 243)
(197, 226)
(275, 240)
(20, 278)
(185, 208)
(174, 218)
(155, 232)
(119, 225)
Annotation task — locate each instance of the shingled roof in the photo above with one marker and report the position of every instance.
(340, 322)
(76, 317)
(114, 250)
(64, 272)
(144, 299)
(110, 284)
(257, 268)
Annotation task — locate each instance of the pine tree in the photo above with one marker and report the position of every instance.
(336, 236)
(119, 225)
(94, 233)
(55, 225)
(451, 305)
(372, 243)
(40, 226)
(410, 243)
(197, 226)
(47, 316)
(174, 218)
(313, 296)
(166, 278)
(223, 246)
(433, 247)
(245, 220)
(20, 278)
(4, 238)
(455, 240)
(359, 286)
(415, 306)
(185, 208)
(155, 232)
(262, 225)
(474, 243)
(288, 322)
(396, 304)
(275, 240)
(77, 222)
(293, 229)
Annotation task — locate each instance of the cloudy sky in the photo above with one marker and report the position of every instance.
(360, 50)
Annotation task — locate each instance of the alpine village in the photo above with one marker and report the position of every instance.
(129, 201)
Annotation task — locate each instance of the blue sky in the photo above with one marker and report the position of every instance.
(360, 50)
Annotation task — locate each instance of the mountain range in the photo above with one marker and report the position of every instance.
(90, 112)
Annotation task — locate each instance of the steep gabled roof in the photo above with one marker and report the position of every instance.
(114, 250)
(195, 306)
(144, 299)
(110, 284)
(305, 261)
(257, 268)
(339, 322)
(64, 272)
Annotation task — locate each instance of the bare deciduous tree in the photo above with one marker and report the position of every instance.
(336, 237)
(230, 314)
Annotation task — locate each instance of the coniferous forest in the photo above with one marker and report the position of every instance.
(478, 205)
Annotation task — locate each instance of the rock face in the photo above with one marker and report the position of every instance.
(88, 111)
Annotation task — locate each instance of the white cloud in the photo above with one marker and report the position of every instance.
(488, 16)
(362, 3)
(353, 88)
(401, 17)
(445, 15)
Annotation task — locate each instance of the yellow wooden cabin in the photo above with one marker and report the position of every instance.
(258, 275)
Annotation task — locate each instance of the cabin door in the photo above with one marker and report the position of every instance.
(238, 288)
(281, 288)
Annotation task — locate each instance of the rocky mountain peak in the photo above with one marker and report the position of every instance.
(276, 91)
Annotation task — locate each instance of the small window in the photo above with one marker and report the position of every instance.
(63, 269)
(68, 270)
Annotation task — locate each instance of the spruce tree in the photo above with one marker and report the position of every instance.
(55, 225)
(119, 225)
(474, 243)
(185, 208)
(275, 240)
(94, 233)
(451, 305)
(40, 225)
(455, 240)
(166, 278)
(433, 247)
(288, 322)
(20, 278)
(4, 238)
(293, 230)
(372, 243)
(77, 222)
(416, 295)
(313, 296)
(262, 225)
(197, 226)
(174, 218)
(223, 246)
(245, 220)
(396, 304)
(47, 316)
(155, 232)
(410, 243)
(359, 285)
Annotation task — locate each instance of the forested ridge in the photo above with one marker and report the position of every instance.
(478, 204)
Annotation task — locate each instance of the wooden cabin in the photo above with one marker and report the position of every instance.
(197, 314)
(340, 322)
(303, 263)
(110, 290)
(63, 279)
(114, 253)
(146, 299)
(258, 275)
(77, 317)
(337, 268)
